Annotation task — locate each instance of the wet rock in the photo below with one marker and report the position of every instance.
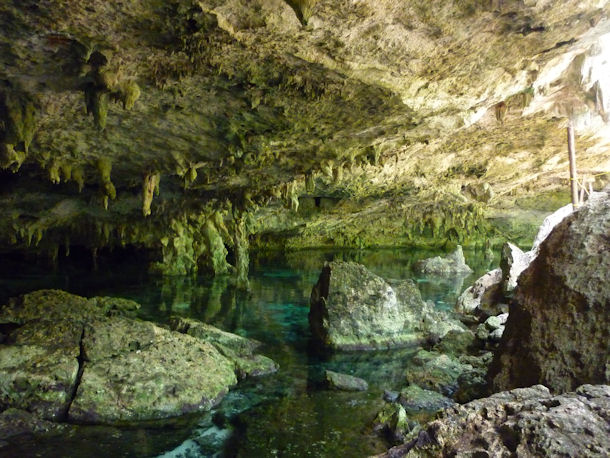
(485, 292)
(482, 332)
(345, 382)
(351, 308)
(513, 262)
(436, 372)
(496, 334)
(39, 367)
(521, 422)
(112, 306)
(16, 422)
(494, 322)
(394, 422)
(49, 304)
(415, 399)
(450, 265)
(237, 349)
(137, 371)
(557, 330)
(67, 357)
(456, 342)
(390, 396)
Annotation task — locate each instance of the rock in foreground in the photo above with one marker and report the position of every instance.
(354, 309)
(557, 331)
(521, 422)
(68, 357)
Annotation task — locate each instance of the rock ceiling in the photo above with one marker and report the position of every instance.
(186, 126)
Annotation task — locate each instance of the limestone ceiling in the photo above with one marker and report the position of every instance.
(252, 101)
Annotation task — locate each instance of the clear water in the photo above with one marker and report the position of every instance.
(286, 414)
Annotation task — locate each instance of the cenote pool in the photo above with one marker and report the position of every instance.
(289, 413)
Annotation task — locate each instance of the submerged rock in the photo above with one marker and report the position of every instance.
(558, 327)
(67, 357)
(450, 265)
(345, 382)
(436, 372)
(394, 422)
(352, 308)
(521, 422)
(16, 422)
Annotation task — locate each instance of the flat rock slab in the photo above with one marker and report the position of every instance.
(171, 375)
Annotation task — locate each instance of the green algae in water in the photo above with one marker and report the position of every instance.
(289, 413)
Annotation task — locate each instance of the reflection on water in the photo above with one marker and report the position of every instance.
(285, 414)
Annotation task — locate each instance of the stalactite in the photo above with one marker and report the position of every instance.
(242, 258)
(109, 192)
(216, 248)
(149, 189)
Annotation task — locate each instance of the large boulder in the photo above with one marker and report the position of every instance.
(452, 264)
(352, 308)
(557, 331)
(136, 371)
(66, 357)
(521, 422)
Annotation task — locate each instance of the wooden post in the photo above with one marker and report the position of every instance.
(572, 155)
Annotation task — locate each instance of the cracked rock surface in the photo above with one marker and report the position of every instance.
(89, 364)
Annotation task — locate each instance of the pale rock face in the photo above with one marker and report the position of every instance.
(513, 262)
(483, 291)
(453, 264)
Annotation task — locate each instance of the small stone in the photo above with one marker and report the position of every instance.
(496, 334)
(493, 322)
(345, 382)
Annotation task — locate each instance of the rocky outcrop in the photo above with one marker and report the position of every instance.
(521, 422)
(352, 308)
(66, 357)
(557, 330)
(453, 264)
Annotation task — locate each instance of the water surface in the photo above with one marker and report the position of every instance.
(289, 413)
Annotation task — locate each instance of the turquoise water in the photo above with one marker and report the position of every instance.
(289, 413)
